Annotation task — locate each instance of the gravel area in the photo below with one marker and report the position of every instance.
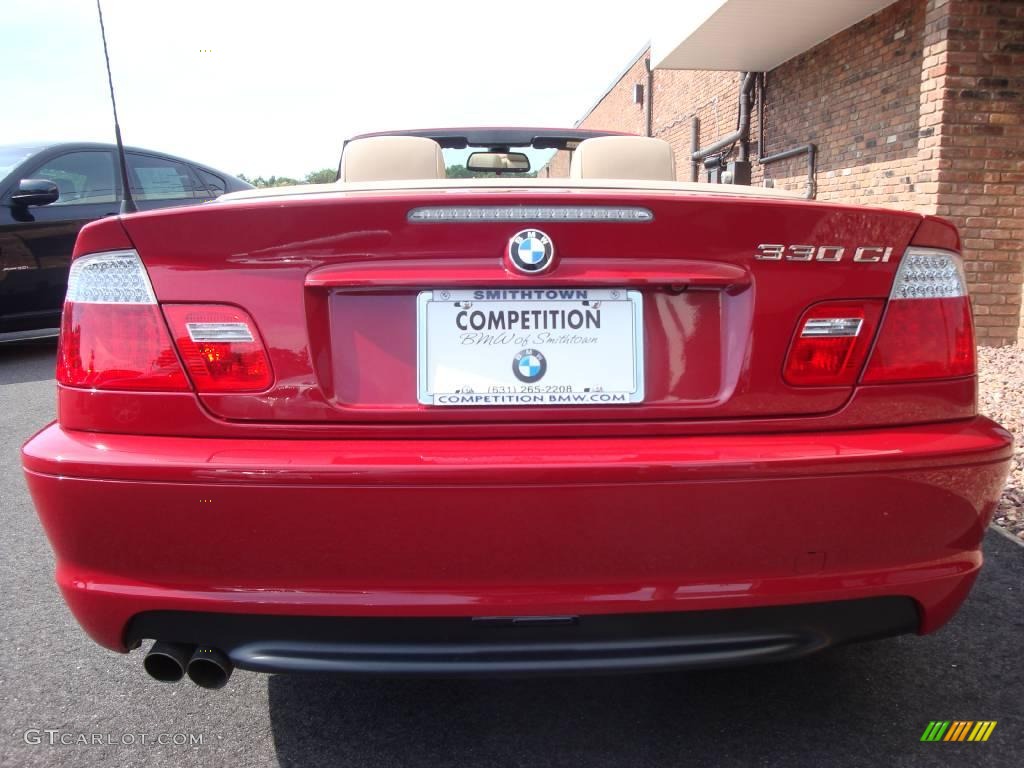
(1001, 397)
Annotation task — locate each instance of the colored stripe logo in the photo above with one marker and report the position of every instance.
(958, 730)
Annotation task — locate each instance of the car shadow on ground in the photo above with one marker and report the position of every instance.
(864, 704)
(25, 361)
(648, 720)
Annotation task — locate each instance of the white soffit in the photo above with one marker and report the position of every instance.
(750, 35)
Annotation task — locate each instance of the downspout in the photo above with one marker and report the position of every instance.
(810, 149)
(742, 133)
(760, 114)
(649, 116)
(749, 81)
(694, 147)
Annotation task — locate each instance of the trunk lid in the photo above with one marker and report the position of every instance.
(333, 282)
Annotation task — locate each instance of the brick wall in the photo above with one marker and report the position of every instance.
(977, 62)
(712, 96)
(918, 107)
(616, 111)
(856, 96)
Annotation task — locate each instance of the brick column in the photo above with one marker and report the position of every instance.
(974, 58)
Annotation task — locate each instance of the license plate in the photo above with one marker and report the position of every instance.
(545, 347)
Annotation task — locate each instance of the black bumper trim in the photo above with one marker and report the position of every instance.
(530, 645)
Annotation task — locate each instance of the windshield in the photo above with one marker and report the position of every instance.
(12, 156)
(473, 152)
(455, 161)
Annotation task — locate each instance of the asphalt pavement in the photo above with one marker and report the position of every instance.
(862, 705)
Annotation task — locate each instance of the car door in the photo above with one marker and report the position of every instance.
(36, 242)
(161, 182)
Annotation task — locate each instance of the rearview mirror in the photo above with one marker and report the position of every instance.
(497, 162)
(35, 192)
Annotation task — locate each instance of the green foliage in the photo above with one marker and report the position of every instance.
(323, 176)
(273, 181)
(462, 172)
(330, 175)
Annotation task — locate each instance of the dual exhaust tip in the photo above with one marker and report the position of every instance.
(206, 667)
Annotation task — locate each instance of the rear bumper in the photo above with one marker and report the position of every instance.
(513, 527)
(636, 642)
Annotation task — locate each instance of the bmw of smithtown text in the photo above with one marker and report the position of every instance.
(413, 424)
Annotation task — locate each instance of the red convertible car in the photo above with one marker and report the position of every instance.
(414, 424)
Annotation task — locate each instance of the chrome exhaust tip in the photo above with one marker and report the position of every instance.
(209, 668)
(166, 662)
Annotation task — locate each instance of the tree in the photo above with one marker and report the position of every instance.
(330, 175)
(323, 176)
(273, 181)
(462, 172)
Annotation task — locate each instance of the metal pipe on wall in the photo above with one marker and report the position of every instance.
(741, 134)
(810, 149)
(762, 84)
(812, 153)
(749, 80)
(649, 116)
(694, 147)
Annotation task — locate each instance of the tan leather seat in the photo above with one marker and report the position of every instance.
(623, 157)
(391, 158)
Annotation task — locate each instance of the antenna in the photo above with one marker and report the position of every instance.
(127, 201)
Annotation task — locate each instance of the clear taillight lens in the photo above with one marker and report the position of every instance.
(112, 333)
(220, 346)
(832, 339)
(927, 331)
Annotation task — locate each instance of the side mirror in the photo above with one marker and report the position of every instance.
(35, 192)
(498, 162)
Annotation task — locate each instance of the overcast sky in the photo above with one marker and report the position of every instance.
(274, 88)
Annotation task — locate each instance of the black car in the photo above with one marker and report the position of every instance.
(49, 192)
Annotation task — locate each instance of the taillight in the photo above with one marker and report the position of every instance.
(221, 347)
(112, 334)
(927, 332)
(832, 339)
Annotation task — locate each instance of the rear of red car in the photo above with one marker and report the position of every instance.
(350, 432)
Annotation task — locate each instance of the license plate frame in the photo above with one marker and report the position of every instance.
(627, 305)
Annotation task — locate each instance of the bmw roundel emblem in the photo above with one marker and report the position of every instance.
(531, 251)
(529, 366)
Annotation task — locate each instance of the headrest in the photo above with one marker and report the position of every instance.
(623, 157)
(391, 158)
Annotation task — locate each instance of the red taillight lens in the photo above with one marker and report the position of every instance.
(111, 346)
(221, 347)
(112, 334)
(927, 332)
(831, 342)
(924, 339)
